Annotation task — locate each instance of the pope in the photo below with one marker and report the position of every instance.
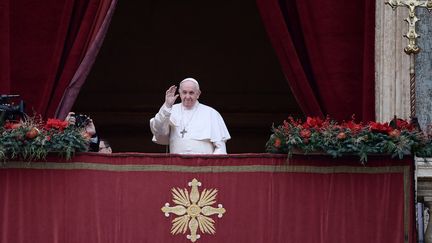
(189, 127)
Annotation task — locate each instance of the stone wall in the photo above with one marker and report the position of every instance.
(424, 68)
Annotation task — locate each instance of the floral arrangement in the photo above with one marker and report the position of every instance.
(315, 135)
(33, 139)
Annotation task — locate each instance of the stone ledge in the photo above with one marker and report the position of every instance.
(424, 167)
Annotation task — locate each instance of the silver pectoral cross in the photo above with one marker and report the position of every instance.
(183, 132)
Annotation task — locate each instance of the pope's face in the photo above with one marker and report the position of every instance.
(189, 94)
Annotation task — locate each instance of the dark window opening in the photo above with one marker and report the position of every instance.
(153, 44)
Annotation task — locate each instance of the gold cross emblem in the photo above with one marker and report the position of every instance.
(193, 209)
(411, 35)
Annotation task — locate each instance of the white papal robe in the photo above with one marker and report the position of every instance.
(200, 130)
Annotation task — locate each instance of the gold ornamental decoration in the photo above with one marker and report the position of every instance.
(412, 48)
(193, 210)
(411, 35)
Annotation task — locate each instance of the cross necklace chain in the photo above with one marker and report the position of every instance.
(184, 131)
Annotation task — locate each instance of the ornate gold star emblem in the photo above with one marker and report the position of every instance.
(193, 209)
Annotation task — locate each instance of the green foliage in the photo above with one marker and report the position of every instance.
(328, 137)
(34, 139)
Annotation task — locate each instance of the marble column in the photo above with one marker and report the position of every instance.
(391, 63)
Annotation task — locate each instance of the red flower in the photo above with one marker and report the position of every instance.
(313, 122)
(395, 133)
(380, 127)
(352, 126)
(56, 124)
(404, 125)
(32, 133)
(11, 125)
(48, 138)
(305, 133)
(277, 143)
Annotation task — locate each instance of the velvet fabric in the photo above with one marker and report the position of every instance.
(118, 198)
(42, 46)
(94, 43)
(326, 51)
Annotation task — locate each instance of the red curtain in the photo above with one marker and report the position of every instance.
(326, 51)
(94, 43)
(42, 46)
(118, 198)
(4, 47)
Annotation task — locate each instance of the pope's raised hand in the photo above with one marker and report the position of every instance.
(170, 96)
